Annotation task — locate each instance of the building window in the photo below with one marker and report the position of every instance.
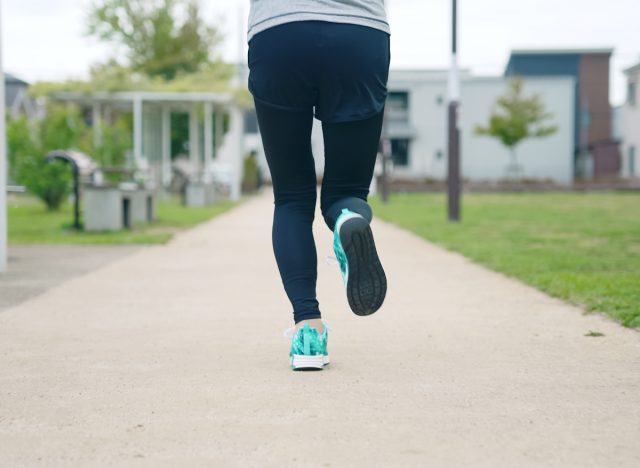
(400, 151)
(398, 106)
(632, 161)
(631, 93)
(250, 122)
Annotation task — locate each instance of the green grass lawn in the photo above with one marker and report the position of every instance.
(31, 223)
(581, 247)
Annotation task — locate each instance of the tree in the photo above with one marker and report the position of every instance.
(516, 118)
(162, 37)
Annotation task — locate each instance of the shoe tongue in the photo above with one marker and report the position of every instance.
(309, 329)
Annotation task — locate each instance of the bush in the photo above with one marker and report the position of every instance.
(29, 142)
(250, 176)
(115, 142)
(49, 181)
(63, 128)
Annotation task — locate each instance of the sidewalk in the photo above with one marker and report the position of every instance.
(173, 356)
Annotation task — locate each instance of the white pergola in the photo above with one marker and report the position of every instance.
(3, 167)
(152, 128)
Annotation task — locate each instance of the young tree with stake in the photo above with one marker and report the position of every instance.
(516, 118)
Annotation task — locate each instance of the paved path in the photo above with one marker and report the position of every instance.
(173, 356)
(35, 268)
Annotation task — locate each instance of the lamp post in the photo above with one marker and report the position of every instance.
(3, 167)
(453, 175)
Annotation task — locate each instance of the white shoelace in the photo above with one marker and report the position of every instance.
(290, 332)
(332, 261)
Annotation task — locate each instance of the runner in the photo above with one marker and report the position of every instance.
(328, 58)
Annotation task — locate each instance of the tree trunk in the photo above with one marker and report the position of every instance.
(514, 156)
(514, 171)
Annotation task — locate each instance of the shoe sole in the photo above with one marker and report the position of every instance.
(302, 362)
(366, 283)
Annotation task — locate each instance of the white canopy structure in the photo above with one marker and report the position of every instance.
(152, 128)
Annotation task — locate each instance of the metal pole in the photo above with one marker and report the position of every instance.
(3, 168)
(453, 177)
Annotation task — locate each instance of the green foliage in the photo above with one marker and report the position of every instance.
(113, 77)
(517, 117)
(594, 334)
(49, 181)
(62, 128)
(582, 247)
(162, 37)
(250, 176)
(28, 145)
(20, 143)
(108, 77)
(115, 141)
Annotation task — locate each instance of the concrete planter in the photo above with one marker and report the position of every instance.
(199, 194)
(113, 209)
(142, 205)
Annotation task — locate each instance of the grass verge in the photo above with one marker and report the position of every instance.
(31, 223)
(581, 247)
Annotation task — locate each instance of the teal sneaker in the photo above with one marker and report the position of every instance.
(309, 349)
(362, 272)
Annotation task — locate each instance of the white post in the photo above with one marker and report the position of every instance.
(232, 150)
(219, 129)
(237, 136)
(194, 139)
(166, 146)
(3, 169)
(137, 131)
(208, 136)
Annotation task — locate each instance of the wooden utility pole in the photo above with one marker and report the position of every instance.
(453, 176)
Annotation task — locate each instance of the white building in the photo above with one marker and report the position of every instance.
(417, 126)
(630, 124)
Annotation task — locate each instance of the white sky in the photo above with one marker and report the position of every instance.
(43, 39)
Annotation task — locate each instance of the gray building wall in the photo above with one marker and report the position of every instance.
(630, 125)
(483, 158)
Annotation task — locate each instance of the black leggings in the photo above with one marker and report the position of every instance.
(350, 154)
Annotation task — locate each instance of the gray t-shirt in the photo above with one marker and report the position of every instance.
(268, 13)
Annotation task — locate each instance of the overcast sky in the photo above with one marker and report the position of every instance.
(43, 39)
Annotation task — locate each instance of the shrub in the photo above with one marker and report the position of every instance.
(250, 176)
(49, 181)
(29, 142)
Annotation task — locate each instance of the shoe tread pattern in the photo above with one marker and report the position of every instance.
(367, 282)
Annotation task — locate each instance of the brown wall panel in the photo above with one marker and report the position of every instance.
(594, 86)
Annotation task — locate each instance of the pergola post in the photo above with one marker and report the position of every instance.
(236, 137)
(166, 146)
(219, 130)
(137, 131)
(208, 136)
(194, 138)
(3, 168)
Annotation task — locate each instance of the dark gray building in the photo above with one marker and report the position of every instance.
(15, 95)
